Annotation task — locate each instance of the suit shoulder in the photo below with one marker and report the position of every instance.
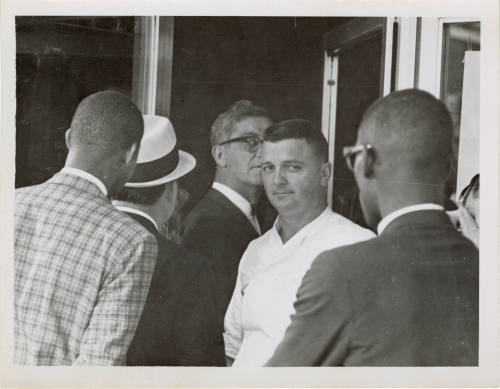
(122, 223)
(206, 209)
(346, 257)
(209, 220)
(121, 232)
(29, 193)
(174, 256)
(175, 250)
(342, 225)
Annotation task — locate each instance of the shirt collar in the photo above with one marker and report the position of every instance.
(402, 211)
(242, 203)
(86, 176)
(137, 212)
(308, 229)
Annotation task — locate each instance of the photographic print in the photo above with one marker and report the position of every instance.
(249, 195)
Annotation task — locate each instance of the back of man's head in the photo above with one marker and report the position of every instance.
(299, 129)
(142, 196)
(223, 125)
(106, 122)
(411, 132)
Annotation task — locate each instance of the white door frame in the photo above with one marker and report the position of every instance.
(152, 74)
(358, 30)
(431, 43)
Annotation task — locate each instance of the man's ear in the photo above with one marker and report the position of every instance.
(219, 156)
(67, 137)
(368, 160)
(326, 171)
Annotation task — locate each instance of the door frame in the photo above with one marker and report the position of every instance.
(152, 71)
(335, 40)
(429, 72)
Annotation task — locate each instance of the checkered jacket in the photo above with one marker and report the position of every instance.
(82, 274)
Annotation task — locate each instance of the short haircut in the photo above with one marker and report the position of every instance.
(413, 130)
(141, 196)
(223, 125)
(298, 129)
(107, 121)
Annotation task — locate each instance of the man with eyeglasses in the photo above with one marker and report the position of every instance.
(222, 224)
(410, 296)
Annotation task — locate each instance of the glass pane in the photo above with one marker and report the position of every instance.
(457, 39)
(358, 86)
(59, 61)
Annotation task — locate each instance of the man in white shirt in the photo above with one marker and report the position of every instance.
(222, 224)
(295, 173)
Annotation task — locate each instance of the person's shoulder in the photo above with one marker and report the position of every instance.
(172, 250)
(205, 209)
(349, 256)
(174, 258)
(256, 249)
(342, 227)
(210, 218)
(340, 222)
(262, 241)
(122, 227)
(27, 193)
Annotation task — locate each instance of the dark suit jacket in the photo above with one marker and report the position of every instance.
(406, 298)
(180, 324)
(219, 231)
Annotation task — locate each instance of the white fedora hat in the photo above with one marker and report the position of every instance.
(159, 160)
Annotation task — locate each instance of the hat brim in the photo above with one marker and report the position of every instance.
(186, 163)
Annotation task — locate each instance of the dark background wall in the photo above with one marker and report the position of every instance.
(276, 62)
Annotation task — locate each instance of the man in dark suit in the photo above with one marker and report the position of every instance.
(222, 224)
(180, 324)
(410, 296)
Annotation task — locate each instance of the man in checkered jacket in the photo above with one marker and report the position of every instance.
(82, 268)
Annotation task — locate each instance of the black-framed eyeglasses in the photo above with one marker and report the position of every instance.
(464, 195)
(252, 142)
(350, 153)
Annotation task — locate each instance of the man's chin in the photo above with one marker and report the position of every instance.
(281, 203)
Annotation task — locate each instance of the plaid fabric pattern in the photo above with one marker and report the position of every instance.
(82, 274)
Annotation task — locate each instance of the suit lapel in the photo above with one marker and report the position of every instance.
(232, 210)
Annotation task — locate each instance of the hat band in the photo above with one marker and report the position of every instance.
(158, 168)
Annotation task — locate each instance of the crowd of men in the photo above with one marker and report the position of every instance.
(97, 282)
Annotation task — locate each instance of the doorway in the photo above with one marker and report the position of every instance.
(358, 66)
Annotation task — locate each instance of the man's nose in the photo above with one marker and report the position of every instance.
(258, 152)
(278, 177)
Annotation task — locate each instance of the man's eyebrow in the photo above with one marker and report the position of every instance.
(294, 161)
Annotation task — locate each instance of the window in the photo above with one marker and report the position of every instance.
(62, 59)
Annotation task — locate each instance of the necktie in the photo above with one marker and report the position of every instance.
(253, 219)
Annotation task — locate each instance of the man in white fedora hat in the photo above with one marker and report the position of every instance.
(180, 324)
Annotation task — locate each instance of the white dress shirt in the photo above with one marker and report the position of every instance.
(403, 211)
(269, 276)
(86, 176)
(242, 203)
